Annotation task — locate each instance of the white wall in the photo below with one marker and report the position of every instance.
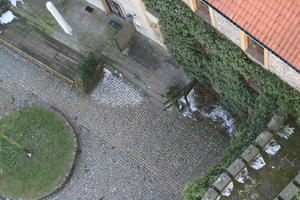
(98, 3)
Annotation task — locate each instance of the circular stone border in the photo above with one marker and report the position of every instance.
(75, 153)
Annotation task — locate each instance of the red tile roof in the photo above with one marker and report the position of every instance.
(275, 23)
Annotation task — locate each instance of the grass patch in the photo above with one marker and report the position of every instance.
(44, 135)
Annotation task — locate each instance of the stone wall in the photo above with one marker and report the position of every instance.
(285, 72)
(227, 28)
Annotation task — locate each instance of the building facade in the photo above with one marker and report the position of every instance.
(267, 32)
(271, 40)
(143, 20)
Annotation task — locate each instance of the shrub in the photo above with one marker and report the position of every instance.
(3, 3)
(225, 65)
(90, 72)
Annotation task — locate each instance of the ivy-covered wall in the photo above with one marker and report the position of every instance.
(210, 58)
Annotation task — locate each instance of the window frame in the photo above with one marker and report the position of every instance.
(202, 10)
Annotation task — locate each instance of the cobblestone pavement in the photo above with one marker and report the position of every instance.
(128, 152)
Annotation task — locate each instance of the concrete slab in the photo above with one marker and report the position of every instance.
(289, 191)
(250, 153)
(222, 182)
(276, 122)
(211, 194)
(263, 139)
(297, 179)
(236, 167)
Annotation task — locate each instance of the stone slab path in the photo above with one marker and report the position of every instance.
(127, 152)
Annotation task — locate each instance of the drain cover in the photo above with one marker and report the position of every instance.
(89, 9)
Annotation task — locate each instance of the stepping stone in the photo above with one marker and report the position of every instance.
(264, 139)
(236, 167)
(222, 182)
(250, 153)
(211, 194)
(289, 191)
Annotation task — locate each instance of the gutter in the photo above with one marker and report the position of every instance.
(252, 37)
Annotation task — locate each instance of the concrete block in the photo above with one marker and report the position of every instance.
(236, 167)
(275, 123)
(222, 182)
(297, 179)
(250, 153)
(211, 194)
(263, 139)
(289, 191)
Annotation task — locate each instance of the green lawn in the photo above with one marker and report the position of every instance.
(44, 135)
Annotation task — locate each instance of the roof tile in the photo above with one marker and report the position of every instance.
(276, 23)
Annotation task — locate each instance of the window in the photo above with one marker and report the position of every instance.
(116, 8)
(203, 11)
(255, 50)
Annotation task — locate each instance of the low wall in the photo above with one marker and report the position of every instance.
(236, 168)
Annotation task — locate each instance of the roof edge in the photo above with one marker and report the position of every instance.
(249, 34)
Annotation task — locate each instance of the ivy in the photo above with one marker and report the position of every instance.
(3, 3)
(208, 57)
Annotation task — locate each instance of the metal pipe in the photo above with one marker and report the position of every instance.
(59, 18)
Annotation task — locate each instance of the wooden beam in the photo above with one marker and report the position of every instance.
(105, 6)
(193, 5)
(244, 41)
(212, 16)
(266, 58)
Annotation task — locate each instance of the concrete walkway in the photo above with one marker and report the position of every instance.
(148, 65)
(128, 152)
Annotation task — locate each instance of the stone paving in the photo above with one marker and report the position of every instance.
(148, 65)
(127, 152)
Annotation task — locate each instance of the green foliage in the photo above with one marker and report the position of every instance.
(207, 57)
(87, 70)
(3, 3)
(297, 197)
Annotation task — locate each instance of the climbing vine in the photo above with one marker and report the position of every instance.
(210, 58)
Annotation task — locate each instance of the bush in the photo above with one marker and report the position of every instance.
(297, 197)
(208, 57)
(3, 3)
(90, 72)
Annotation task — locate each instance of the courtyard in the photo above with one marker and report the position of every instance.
(129, 150)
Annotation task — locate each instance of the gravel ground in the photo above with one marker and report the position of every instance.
(128, 151)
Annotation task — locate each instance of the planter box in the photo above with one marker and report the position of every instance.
(94, 79)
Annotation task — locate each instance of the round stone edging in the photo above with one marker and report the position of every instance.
(75, 153)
